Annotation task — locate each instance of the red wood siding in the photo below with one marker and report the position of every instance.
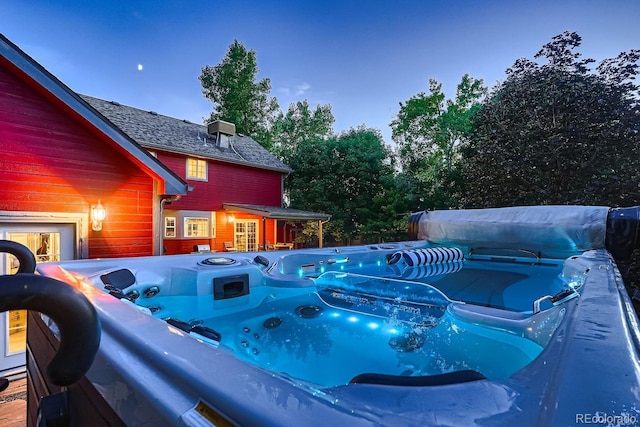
(227, 183)
(224, 233)
(50, 163)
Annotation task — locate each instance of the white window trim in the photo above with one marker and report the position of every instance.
(195, 178)
(166, 227)
(185, 227)
(213, 225)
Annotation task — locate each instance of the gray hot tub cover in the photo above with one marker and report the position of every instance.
(551, 231)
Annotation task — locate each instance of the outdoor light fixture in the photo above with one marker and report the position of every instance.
(98, 214)
(230, 218)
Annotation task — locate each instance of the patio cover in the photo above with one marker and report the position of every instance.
(275, 212)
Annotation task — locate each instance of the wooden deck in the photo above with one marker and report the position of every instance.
(13, 404)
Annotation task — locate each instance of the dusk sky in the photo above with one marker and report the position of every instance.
(361, 57)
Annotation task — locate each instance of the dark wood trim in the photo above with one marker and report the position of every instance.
(86, 405)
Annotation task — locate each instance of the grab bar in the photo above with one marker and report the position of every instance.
(69, 309)
(25, 257)
(72, 312)
(563, 294)
(536, 303)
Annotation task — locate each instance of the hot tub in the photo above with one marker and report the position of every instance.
(448, 331)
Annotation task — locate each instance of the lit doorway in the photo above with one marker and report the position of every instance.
(246, 235)
(48, 242)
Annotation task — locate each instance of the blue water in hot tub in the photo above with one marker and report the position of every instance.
(326, 337)
(336, 345)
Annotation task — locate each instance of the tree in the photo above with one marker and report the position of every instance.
(347, 176)
(428, 131)
(237, 96)
(555, 132)
(300, 124)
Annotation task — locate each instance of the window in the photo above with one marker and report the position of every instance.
(196, 169)
(196, 227)
(170, 226)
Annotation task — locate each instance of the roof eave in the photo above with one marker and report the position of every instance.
(217, 159)
(292, 214)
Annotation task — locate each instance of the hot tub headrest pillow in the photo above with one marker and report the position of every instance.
(415, 257)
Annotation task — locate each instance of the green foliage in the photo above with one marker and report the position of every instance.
(553, 132)
(237, 96)
(347, 176)
(428, 132)
(557, 133)
(300, 124)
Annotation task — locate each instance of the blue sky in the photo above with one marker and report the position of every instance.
(361, 57)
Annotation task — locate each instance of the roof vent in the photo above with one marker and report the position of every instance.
(221, 127)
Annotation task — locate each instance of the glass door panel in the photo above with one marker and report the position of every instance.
(54, 244)
(246, 235)
(240, 242)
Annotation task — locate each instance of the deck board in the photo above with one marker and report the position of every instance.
(13, 404)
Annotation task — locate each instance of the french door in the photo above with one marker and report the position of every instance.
(48, 242)
(246, 235)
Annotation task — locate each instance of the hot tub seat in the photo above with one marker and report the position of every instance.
(539, 327)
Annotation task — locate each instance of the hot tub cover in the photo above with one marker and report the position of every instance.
(551, 231)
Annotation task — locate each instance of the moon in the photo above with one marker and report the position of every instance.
(139, 67)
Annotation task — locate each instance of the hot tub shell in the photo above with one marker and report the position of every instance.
(148, 371)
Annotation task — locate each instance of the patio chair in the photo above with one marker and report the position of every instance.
(228, 246)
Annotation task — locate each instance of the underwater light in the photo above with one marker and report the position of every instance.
(352, 319)
(373, 325)
(575, 284)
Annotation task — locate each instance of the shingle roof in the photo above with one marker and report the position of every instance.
(153, 130)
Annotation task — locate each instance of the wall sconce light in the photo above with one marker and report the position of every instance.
(230, 218)
(98, 214)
